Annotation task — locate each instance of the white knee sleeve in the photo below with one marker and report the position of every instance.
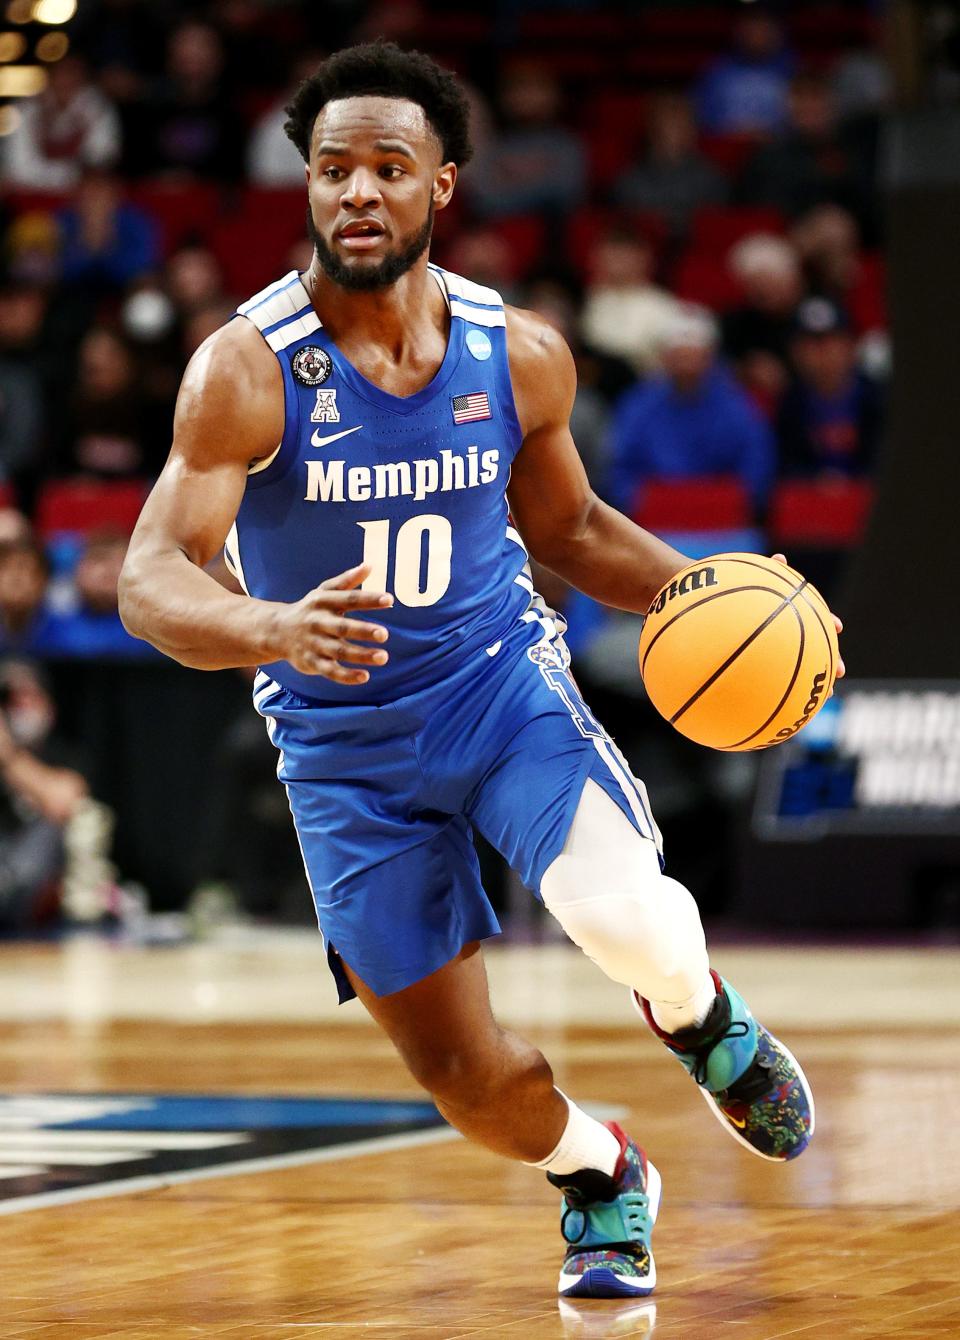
(607, 891)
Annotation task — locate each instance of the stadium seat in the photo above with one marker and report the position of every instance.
(525, 235)
(829, 513)
(252, 248)
(728, 152)
(714, 502)
(183, 213)
(589, 223)
(716, 228)
(704, 278)
(83, 505)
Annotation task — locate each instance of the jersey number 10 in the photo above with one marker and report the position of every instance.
(422, 549)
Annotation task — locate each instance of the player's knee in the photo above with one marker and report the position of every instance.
(627, 917)
(476, 1073)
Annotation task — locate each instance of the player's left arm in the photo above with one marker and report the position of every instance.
(564, 525)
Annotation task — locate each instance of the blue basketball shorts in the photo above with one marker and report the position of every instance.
(384, 799)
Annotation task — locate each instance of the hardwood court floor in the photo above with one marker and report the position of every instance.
(859, 1238)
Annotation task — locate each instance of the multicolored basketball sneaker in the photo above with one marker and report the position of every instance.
(607, 1223)
(751, 1082)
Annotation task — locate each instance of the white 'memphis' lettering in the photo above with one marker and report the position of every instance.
(332, 481)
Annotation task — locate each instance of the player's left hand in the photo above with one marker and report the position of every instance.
(841, 668)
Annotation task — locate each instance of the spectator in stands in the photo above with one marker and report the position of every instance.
(828, 243)
(124, 42)
(202, 322)
(756, 335)
(109, 430)
(190, 128)
(601, 378)
(22, 410)
(272, 159)
(71, 124)
(85, 623)
(673, 178)
(534, 165)
(31, 248)
(14, 527)
(25, 617)
(745, 92)
(193, 277)
(808, 163)
(485, 256)
(625, 313)
(863, 80)
(830, 417)
(106, 241)
(42, 791)
(693, 419)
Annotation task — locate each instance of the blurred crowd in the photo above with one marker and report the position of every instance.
(694, 208)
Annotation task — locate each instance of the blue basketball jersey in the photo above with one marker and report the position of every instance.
(415, 486)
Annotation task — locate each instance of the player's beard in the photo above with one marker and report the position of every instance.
(364, 279)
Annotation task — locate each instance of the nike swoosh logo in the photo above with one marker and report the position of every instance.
(318, 441)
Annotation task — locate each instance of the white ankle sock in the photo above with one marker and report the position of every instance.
(585, 1143)
(672, 1015)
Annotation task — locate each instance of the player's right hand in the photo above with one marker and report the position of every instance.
(318, 633)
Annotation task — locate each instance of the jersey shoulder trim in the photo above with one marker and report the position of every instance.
(471, 302)
(467, 290)
(282, 312)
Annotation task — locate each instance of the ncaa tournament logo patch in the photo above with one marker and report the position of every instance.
(311, 365)
(60, 1147)
(479, 345)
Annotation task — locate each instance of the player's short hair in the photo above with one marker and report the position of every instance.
(384, 70)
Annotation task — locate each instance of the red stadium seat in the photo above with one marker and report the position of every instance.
(704, 278)
(829, 513)
(524, 234)
(728, 152)
(588, 224)
(716, 502)
(252, 250)
(83, 505)
(183, 212)
(716, 228)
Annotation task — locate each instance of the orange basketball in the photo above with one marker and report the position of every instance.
(738, 652)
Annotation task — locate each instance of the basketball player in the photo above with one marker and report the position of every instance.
(354, 438)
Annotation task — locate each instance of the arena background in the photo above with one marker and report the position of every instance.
(744, 219)
(743, 158)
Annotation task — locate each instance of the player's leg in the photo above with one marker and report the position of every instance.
(498, 1090)
(560, 803)
(639, 926)
(643, 929)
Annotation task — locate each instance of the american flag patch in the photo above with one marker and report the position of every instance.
(470, 408)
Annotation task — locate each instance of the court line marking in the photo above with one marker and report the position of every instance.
(159, 1181)
(358, 1149)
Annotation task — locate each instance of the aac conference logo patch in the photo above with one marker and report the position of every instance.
(61, 1147)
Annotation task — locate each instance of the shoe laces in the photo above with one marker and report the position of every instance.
(738, 1028)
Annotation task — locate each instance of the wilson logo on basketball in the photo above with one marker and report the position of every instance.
(813, 702)
(690, 581)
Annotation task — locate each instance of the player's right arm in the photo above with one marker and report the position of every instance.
(229, 415)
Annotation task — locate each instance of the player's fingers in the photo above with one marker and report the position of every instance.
(354, 600)
(841, 669)
(779, 558)
(338, 649)
(344, 580)
(330, 669)
(358, 631)
(838, 623)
